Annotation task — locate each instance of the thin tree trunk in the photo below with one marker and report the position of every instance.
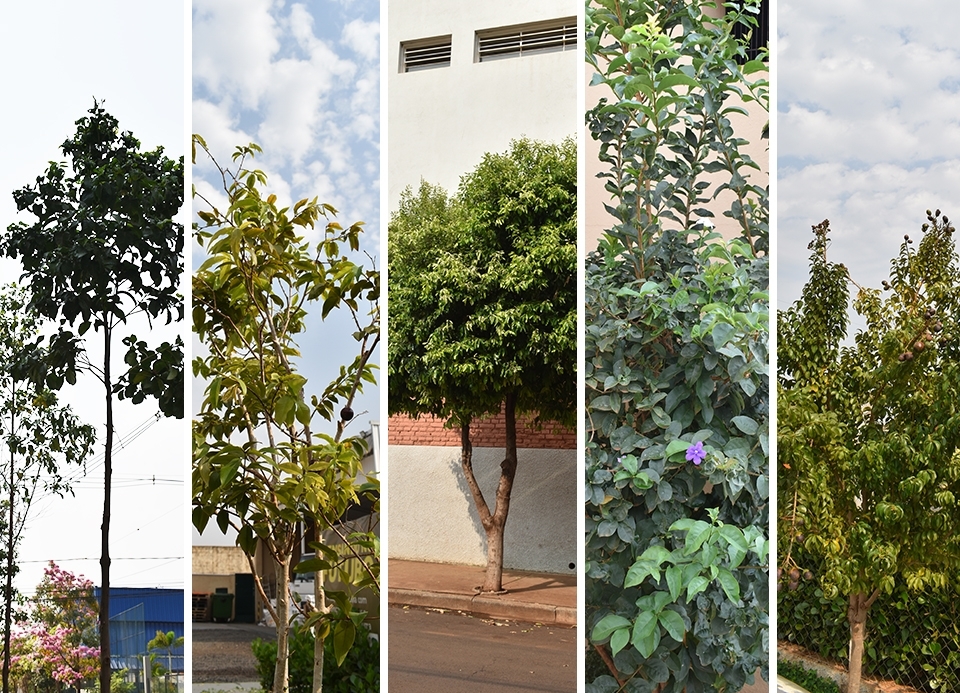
(493, 580)
(8, 592)
(493, 524)
(105, 527)
(320, 601)
(280, 674)
(857, 618)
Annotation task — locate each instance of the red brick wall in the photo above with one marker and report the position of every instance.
(484, 433)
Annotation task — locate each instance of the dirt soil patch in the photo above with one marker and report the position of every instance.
(835, 672)
(222, 653)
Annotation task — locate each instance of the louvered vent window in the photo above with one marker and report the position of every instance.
(525, 39)
(425, 54)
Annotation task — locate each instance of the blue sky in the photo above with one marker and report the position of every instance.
(302, 80)
(58, 56)
(868, 129)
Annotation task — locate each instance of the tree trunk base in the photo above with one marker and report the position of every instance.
(479, 590)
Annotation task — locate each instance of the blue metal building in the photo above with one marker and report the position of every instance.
(136, 614)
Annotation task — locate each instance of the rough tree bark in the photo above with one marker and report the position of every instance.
(857, 612)
(494, 523)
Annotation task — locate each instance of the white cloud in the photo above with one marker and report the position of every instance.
(234, 42)
(868, 129)
(363, 38)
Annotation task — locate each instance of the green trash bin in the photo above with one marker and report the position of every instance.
(221, 607)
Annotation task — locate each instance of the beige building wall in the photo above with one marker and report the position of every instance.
(219, 560)
(442, 120)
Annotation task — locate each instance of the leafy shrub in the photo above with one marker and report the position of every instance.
(676, 360)
(359, 673)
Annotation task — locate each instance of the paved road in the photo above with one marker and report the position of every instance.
(432, 652)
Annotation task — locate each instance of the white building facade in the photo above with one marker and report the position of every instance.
(505, 78)
(465, 78)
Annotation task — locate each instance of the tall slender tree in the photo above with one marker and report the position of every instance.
(41, 436)
(104, 247)
(255, 295)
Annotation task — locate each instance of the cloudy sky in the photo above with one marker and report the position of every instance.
(58, 56)
(302, 81)
(868, 129)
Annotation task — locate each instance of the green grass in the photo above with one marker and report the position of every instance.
(802, 676)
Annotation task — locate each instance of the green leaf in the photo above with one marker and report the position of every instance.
(745, 424)
(729, 584)
(228, 472)
(607, 625)
(344, 633)
(677, 446)
(673, 624)
(619, 640)
(697, 585)
(646, 634)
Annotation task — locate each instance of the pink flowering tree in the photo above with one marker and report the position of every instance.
(57, 647)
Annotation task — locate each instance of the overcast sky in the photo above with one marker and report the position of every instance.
(868, 129)
(58, 56)
(302, 80)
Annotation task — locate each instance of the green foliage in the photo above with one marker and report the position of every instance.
(810, 680)
(252, 298)
(672, 72)
(676, 360)
(483, 289)
(118, 683)
(42, 438)
(103, 247)
(359, 672)
(914, 636)
(868, 433)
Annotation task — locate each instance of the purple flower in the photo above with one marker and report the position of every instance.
(696, 453)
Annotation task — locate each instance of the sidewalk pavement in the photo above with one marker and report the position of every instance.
(531, 597)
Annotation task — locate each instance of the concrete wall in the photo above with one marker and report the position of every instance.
(432, 517)
(441, 121)
(219, 560)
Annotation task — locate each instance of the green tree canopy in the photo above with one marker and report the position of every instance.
(260, 465)
(104, 247)
(483, 289)
(868, 432)
(483, 305)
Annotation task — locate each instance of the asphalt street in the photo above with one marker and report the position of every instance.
(433, 651)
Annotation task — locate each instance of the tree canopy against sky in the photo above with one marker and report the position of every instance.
(869, 473)
(483, 305)
(139, 77)
(103, 248)
(261, 465)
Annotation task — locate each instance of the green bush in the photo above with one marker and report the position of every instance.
(359, 673)
(676, 368)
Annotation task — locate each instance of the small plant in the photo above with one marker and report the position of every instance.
(807, 678)
(359, 672)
